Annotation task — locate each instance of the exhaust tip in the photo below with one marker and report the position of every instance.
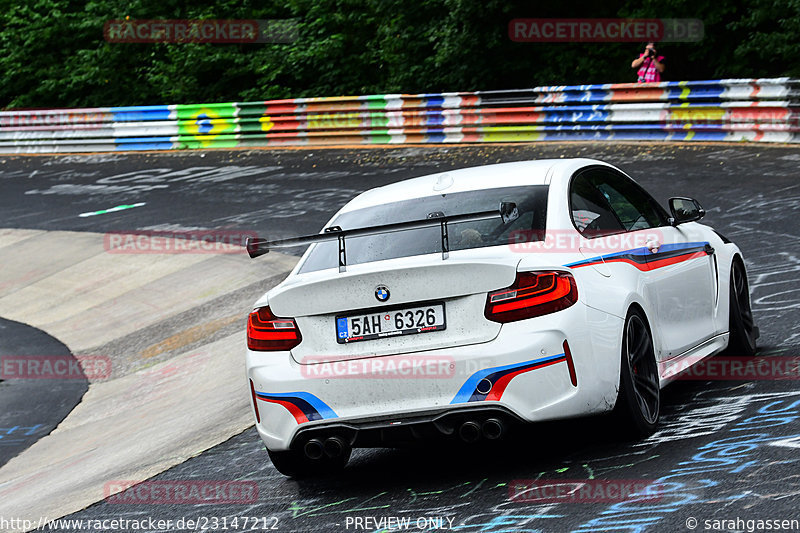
(492, 429)
(469, 431)
(314, 449)
(334, 447)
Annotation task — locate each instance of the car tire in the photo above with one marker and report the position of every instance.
(742, 328)
(639, 399)
(293, 463)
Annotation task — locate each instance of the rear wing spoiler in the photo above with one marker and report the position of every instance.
(507, 212)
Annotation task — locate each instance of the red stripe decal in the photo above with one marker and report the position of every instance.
(298, 415)
(640, 266)
(673, 260)
(500, 385)
(649, 265)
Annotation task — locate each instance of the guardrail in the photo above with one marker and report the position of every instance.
(762, 110)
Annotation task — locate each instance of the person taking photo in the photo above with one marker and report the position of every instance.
(649, 63)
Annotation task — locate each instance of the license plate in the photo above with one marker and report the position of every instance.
(392, 323)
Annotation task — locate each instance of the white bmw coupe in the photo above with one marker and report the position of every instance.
(459, 304)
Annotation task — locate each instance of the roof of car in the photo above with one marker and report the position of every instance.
(465, 179)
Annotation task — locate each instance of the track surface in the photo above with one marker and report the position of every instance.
(32, 408)
(726, 449)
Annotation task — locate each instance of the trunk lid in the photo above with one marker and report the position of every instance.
(460, 282)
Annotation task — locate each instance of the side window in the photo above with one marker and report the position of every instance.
(633, 206)
(630, 205)
(591, 212)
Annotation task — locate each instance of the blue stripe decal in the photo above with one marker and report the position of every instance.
(680, 246)
(322, 408)
(310, 413)
(634, 251)
(639, 251)
(465, 392)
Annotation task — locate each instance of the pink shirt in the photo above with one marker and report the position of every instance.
(648, 71)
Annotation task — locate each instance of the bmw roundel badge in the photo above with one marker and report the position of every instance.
(382, 293)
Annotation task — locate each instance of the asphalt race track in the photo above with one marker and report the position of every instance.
(726, 450)
(33, 407)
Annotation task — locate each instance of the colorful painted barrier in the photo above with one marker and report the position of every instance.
(763, 110)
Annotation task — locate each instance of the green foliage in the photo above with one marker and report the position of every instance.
(53, 53)
(769, 30)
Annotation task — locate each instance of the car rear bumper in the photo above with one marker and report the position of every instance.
(521, 375)
(379, 431)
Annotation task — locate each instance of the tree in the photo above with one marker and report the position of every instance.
(53, 53)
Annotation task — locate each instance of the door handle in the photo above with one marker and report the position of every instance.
(708, 249)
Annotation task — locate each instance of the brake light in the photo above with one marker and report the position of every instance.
(266, 332)
(532, 294)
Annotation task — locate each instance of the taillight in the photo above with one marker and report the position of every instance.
(532, 294)
(266, 332)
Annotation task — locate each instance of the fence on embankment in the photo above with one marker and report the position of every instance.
(764, 110)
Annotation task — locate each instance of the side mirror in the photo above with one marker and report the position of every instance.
(685, 210)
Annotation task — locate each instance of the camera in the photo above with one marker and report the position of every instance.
(651, 52)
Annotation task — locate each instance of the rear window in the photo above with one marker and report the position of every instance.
(531, 202)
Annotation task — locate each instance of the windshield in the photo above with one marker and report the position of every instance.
(531, 202)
